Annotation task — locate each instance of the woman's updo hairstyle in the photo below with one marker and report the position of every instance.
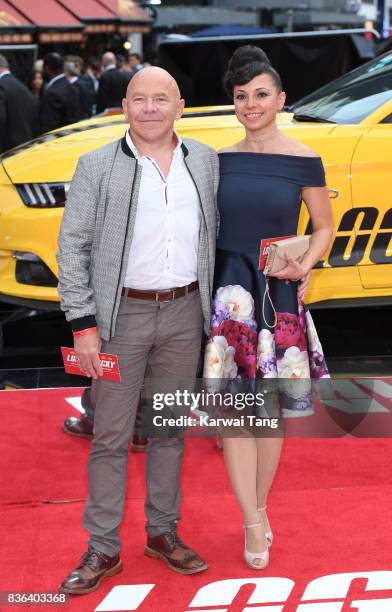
(246, 63)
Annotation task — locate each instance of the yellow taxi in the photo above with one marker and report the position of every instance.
(348, 122)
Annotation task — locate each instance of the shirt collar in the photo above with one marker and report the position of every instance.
(56, 78)
(4, 73)
(136, 153)
(110, 67)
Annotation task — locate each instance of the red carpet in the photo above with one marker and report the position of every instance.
(329, 509)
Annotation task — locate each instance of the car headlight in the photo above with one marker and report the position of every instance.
(43, 195)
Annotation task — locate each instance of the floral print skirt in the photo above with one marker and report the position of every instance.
(242, 347)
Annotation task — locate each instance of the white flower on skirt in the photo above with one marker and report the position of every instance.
(294, 364)
(239, 302)
(219, 359)
(266, 357)
(266, 342)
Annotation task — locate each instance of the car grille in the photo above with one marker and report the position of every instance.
(43, 195)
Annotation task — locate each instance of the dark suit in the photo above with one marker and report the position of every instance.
(83, 96)
(112, 89)
(90, 92)
(58, 105)
(18, 113)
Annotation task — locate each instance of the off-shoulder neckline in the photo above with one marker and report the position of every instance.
(270, 154)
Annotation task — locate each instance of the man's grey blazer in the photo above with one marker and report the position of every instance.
(97, 228)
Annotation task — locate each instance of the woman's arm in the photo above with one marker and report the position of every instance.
(318, 205)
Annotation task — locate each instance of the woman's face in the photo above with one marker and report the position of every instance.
(257, 102)
(38, 80)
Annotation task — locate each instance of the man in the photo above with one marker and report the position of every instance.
(18, 110)
(134, 63)
(58, 104)
(91, 80)
(112, 84)
(80, 88)
(120, 61)
(136, 259)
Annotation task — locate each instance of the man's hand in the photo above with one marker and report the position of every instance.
(87, 348)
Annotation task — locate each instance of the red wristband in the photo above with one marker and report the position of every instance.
(84, 332)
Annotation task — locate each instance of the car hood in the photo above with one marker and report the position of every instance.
(52, 157)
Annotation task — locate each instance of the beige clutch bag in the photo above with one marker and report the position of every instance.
(295, 246)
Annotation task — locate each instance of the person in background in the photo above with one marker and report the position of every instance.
(37, 84)
(18, 110)
(79, 64)
(59, 103)
(81, 89)
(120, 62)
(39, 65)
(83, 426)
(134, 63)
(112, 84)
(91, 79)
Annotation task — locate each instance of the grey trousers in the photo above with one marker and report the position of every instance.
(166, 338)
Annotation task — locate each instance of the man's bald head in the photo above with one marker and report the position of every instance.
(108, 58)
(156, 75)
(153, 103)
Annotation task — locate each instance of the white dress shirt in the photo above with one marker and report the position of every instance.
(164, 247)
(2, 74)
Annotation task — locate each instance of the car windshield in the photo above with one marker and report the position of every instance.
(351, 97)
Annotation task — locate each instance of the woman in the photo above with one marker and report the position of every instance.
(263, 179)
(37, 84)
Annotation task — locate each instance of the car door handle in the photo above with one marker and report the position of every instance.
(333, 193)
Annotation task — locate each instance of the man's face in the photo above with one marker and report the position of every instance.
(133, 61)
(152, 104)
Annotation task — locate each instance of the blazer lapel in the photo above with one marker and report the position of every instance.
(122, 190)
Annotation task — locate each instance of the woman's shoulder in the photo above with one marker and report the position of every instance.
(303, 164)
(297, 148)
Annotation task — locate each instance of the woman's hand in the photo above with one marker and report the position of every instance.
(303, 286)
(294, 271)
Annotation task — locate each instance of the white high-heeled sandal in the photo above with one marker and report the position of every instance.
(269, 536)
(250, 557)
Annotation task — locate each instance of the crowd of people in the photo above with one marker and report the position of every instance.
(62, 90)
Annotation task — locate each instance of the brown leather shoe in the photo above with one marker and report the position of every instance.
(88, 575)
(179, 557)
(82, 427)
(139, 443)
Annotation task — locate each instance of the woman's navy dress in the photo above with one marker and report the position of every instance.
(260, 197)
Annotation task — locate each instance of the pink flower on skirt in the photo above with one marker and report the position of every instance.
(244, 341)
(288, 332)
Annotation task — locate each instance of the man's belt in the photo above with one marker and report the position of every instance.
(168, 295)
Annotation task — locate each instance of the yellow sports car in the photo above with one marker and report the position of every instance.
(348, 122)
